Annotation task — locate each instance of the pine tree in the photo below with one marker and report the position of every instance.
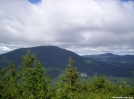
(8, 82)
(34, 83)
(71, 77)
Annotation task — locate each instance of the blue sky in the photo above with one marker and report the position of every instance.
(34, 1)
(37, 1)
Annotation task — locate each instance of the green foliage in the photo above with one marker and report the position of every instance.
(31, 82)
(70, 78)
(125, 89)
(8, 82)
(84, 86)
(101, 85)
(33, 78)
(90, 62)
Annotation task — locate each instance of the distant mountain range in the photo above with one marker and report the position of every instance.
(54, 60)
(111, 57)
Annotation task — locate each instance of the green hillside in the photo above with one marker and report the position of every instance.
(54, 59)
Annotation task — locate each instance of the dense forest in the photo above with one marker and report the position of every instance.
(30, 81)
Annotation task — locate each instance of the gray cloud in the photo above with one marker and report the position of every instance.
(98, 25)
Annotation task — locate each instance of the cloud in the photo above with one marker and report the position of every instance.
(4, 49)
(115, 49)
(82, 24)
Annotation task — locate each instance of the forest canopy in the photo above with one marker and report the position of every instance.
(30, 81)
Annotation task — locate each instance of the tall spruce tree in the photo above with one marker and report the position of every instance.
(34, 84)
(70, 78)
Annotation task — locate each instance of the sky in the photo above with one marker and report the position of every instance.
(85, 27)
(34, 1)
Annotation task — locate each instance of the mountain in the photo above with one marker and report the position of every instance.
(54, 59)
(111, 57)
(114, 60)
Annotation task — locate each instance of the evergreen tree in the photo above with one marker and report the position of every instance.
(33, 80)
(101, 85)
(71, 77)
(8, 82)
(84, 86)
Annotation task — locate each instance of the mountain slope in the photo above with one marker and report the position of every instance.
(51, 57)
(54, 59)
(111, 57)
(124, 61)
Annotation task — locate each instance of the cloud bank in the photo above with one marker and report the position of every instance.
(82, 26)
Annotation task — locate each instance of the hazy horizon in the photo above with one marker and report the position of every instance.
(72, 51)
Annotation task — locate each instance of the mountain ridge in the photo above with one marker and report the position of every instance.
(110, 57)
(54, 60)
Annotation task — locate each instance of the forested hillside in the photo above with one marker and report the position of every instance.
(30, 81)
(54, 60)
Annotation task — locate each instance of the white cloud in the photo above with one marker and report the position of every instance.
(84, 23)
(4, 49)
